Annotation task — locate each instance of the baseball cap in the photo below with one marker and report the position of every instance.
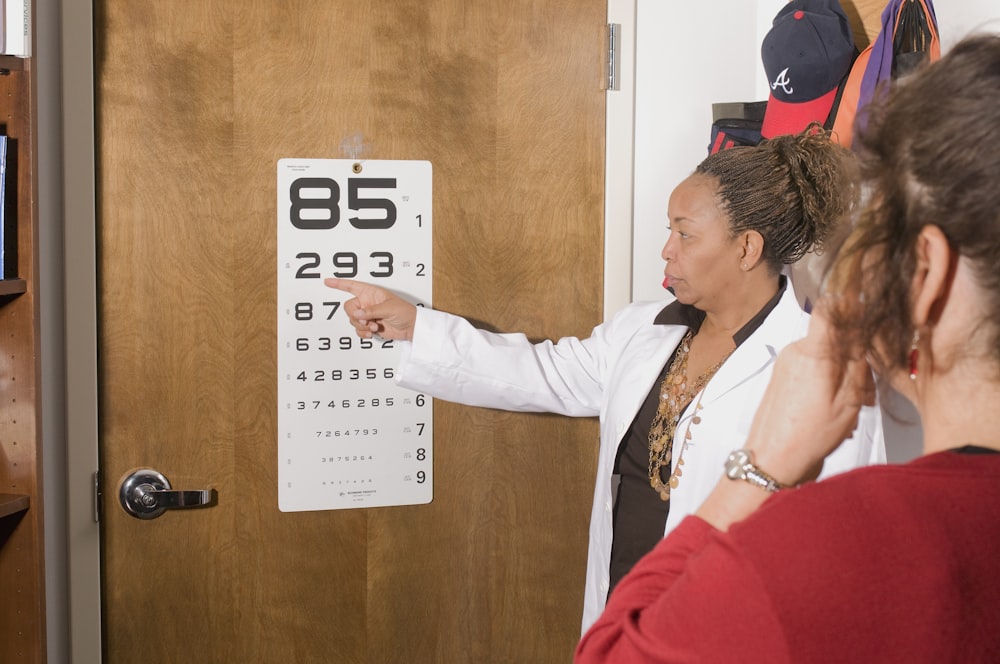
(807, 53)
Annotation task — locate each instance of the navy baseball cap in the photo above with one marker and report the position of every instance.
(807, 53)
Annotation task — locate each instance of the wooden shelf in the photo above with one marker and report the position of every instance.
(9, 63)
(12, 286)
(12, 503)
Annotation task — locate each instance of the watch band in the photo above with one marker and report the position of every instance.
(740, 466)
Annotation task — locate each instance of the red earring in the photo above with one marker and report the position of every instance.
(914, 355)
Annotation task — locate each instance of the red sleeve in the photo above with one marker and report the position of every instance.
(693, 598)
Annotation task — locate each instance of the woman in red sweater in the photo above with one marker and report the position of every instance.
(897, 563)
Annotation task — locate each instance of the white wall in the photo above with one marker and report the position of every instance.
(958, 18)
(688, 56)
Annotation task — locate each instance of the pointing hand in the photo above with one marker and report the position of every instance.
(374, 310)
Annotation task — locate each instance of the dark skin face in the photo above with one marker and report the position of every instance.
(703, 260)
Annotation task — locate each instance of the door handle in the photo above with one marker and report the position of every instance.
(146, 494)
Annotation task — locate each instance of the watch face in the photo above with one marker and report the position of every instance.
(736, 465)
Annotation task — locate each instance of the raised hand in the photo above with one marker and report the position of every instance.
(812, 402)
(810, 407)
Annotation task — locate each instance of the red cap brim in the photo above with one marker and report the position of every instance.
(782, 117)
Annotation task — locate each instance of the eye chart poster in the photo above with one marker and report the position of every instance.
(348, 436)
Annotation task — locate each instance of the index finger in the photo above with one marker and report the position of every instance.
(348, 285)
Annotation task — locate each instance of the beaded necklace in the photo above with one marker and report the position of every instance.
(675, 395)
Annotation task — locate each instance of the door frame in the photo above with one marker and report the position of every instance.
(80, 283)
(80, 301)
(619, 159)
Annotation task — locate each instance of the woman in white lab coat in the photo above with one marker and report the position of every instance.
(675, 383)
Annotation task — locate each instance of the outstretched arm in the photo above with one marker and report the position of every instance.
(375, 310)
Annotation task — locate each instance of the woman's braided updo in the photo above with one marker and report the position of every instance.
(793, 190)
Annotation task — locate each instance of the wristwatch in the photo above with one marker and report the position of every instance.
(739, 466)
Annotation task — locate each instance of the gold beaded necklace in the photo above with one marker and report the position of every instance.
(675, 395)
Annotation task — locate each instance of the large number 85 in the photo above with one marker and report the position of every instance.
(330, 204)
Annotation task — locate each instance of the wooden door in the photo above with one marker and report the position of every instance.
(196, 102)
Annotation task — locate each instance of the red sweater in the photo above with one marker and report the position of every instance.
(897, 563)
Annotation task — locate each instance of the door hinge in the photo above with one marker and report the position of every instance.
(614, 56)
(97, 496)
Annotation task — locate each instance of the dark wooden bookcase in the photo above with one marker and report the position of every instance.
(22, 578)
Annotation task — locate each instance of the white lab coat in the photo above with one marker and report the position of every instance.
(609, 375)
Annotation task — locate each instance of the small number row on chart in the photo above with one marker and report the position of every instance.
(419, 454)
(343, 343)
(375, 402)
(418, 428)
(322, 375)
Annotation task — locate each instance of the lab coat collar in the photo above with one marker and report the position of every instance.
(785, 323)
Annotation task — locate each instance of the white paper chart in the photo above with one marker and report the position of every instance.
(348, 436)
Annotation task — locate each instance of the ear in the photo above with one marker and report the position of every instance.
(751, 249)
(932, 277)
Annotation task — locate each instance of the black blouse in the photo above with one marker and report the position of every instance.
(639, 515)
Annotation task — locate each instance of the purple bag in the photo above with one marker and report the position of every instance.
(908, 37)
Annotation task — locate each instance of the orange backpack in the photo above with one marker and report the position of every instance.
(908, 38)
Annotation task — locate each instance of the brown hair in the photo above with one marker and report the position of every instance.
(793, 190)
(930, 154)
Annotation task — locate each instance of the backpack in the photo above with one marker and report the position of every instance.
(908, 39)
(736, 123)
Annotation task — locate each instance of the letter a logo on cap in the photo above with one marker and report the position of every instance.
(783, 82)
(813, 38)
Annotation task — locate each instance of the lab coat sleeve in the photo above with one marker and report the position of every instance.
(452, 360)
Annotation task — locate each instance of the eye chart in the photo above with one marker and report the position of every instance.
(348, 436)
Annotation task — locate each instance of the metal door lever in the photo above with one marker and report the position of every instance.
(146, 494)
